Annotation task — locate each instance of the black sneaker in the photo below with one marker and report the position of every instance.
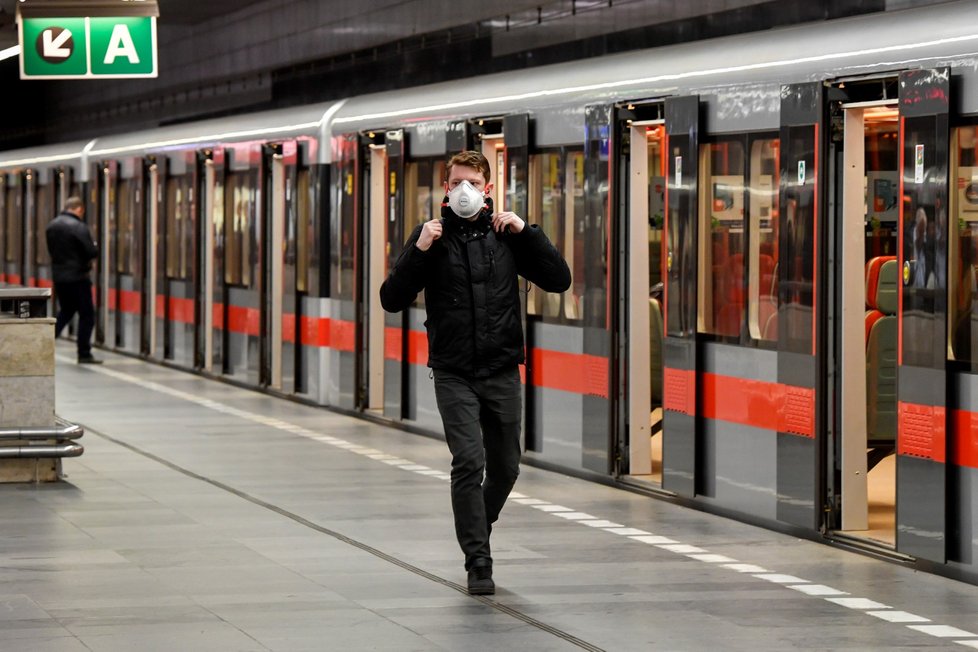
(480, 580)
(88, 359)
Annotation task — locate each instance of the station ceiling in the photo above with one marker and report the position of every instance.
(174, 12)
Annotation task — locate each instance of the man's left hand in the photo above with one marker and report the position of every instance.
(500, 221)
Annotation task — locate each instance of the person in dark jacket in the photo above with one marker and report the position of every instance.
(72, 252)
(467, 263)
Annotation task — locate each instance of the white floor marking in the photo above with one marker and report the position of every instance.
(941, 631)
(898, 617)
(680, 548)
(746, 568)
(817, 589)
(575, 516)
(600, 523)
(879, 610)
(858, 603)
(711, 558)
(781, 579)
(653, 540)
(626, 531)
(551, 509)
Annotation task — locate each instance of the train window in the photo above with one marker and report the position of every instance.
(125, 226)
(240, 252)
(722, 268)
(304, 230)
(343, 200)
(217, 220)
(44, 214)
(963, 245)
(762, 273)
(424, 191)
(556, 204)
(739, 242)
(178, 226)
(13, 221)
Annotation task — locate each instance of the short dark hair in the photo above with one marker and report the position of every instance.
(469, 159)
(74, 203)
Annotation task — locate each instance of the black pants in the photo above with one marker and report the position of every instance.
(482, 419)
(76, 297)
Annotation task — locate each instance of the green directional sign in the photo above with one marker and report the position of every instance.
(79, 48)
(123, 46)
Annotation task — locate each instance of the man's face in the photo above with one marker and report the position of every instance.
(460, 173)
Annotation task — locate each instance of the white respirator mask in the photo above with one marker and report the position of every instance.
(465, 201)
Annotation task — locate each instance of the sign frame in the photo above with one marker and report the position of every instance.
(154, 73)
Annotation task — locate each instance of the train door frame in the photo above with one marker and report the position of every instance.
(371, 227)
(848, 485)
(923, 406)
(680, 348)
(637, 458)
(29, 217)
(270, 286)
(800, 451)
(108, 293)
(151, 206)
(923, 409)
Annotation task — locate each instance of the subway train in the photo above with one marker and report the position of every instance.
(774, 306)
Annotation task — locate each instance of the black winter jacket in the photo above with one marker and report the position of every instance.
(71, 247)
(469, 277)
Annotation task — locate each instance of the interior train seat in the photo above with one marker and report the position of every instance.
(881, 356)
(655, 360)
(730, 311)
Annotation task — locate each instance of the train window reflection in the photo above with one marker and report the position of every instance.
(45, 213)
(556, 204)
(12, 218)
(963, 244)
(178, 229)
(126, 235)
(739, 215)
(762, 277)
(722, 286)
(239, 249)
(304, 231)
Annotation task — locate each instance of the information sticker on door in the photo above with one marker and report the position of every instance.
(801, 172)
(679, 171)
(918, 167)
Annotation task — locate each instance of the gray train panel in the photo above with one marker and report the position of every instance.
(739, 468)
(741, 362)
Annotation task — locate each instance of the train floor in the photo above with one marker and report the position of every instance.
(207, 517)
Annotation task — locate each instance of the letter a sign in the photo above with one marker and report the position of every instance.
(73, 48)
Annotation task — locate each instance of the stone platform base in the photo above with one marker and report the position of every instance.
(30, 469)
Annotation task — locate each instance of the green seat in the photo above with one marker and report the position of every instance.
(881, 351)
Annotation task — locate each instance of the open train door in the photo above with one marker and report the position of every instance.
(922, 312)
(679, 349)
(798, 373)
(396, 362)
(380, 336)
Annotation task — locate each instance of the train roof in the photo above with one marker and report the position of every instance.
(861, 45)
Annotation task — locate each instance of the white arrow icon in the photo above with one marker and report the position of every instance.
(53, 44)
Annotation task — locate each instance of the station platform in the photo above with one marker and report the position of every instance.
(207, 517)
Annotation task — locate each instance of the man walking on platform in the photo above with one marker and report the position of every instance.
(72, 252)
(467, 263)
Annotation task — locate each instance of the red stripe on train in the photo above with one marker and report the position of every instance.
(760, 404)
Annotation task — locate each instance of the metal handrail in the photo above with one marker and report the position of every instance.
(66, 431)
(70, 449)
(63, 434)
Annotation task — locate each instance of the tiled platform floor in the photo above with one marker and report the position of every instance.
(206, 517)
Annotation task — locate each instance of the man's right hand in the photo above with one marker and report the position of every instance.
(430, 232)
